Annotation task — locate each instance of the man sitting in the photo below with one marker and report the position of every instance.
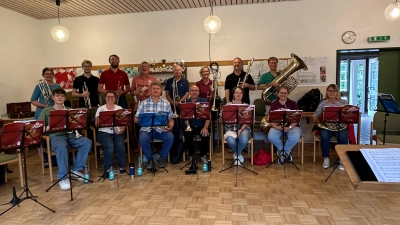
(58, 142)
(156, 104)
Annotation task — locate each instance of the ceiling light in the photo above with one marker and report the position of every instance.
(212, 24)
(392, 12)
(59, 33)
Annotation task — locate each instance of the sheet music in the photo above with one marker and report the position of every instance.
(384, 162)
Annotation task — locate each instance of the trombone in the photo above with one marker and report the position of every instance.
(175, 96)
(87, 99)
(45, 89)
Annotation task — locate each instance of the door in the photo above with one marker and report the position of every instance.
(357, 83)
(372, 89)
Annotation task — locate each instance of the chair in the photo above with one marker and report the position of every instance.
(10, 158)
(51, 153)
(74, 100)
(350, 127)
(97, 144)
(250, 144)
(300, 144)
(259, 110)
(392, 128)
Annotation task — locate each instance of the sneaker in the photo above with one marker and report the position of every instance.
(150, 164)
(77, 175)
(281, 160)
(289, 158)
(161, 162)
(326, 163)
(241, 158)
(340, 166)
(64, 184)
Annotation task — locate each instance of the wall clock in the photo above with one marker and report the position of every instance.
(349, 37)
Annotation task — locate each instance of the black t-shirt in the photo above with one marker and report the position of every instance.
(92, 83)
(232, 81)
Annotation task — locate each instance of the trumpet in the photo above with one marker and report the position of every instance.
(87, 99)
(214, 90)
(247, 74)
(118, 89)
(175, 97)
(45, 89)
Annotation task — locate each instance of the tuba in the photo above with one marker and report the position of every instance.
(45, 89)
(175, 96)
(284, 79)
(87, 99)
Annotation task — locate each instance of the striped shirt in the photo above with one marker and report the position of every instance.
(149, 105)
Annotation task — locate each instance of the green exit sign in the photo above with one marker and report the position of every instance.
(378, 38)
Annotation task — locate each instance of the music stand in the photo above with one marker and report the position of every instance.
(284, 117)
(237, 114)
(347, 114)
(67, 121)
(194, 111)
(151, 120)
(20, 135)
(114, 119)
(390, 107)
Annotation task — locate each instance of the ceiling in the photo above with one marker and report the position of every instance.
(47, 9)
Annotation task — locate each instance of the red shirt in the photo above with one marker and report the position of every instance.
(205, 89)
(110, 79)
(142, 84)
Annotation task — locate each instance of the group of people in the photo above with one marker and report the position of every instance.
(114, 84)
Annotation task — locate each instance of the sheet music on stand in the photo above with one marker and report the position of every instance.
(384, 162)
(202, 110)
(389, 103)
(292, 116)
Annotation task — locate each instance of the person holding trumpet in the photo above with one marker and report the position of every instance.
(236, 79)
(141, 84)
(85, 87)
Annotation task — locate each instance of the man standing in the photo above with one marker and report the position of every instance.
(237, 77)
(58, 142)
(178, 84)
(141, 84)
(115, 80)
(267, 78)
(155, 104)
(199, 127)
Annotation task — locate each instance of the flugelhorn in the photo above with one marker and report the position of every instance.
(87, 99)
(175, 96)
(45, 89)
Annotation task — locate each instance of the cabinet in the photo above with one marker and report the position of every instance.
(164, 76)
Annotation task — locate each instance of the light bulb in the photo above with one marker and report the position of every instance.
(212, 24)
(392, 12)
(60, 33)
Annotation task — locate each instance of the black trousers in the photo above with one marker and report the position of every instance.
(203, 145)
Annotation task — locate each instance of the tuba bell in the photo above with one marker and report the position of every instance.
(45, 89)
(284, 79)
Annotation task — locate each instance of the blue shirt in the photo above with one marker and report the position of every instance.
(149, 105)
(182, 85)
(197, 123)
(38, 96)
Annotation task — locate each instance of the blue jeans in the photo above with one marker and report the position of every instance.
(293, 137)
(107, 141)
(59, 146)
(145, 139)
(122, 102)
(342, 136)
(238, 145)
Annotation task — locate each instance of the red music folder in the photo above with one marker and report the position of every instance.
(57, 120)
(11, 137)
(202, 110)
(245, 113)
(77, 119)
(292, 116)
(349, 114)
(123, 117)
(33, 132)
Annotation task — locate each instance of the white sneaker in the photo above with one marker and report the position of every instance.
(340, 166)
(64, 184)
(241, 158)
(74, 175)
(326, 163)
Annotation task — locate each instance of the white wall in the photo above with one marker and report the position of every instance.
(20, 57)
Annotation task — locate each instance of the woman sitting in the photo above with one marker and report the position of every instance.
(237, 144)
(105, 135)
(332, 98)
(291, 131)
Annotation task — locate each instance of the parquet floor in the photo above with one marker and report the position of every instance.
(303, 197)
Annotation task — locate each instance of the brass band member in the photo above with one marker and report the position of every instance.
(235, 78)
(141, 84)
(267, 78)
(205, 84)
(199, 127)
(115, 80)
(292, 131)
(37, 98)
(332, 98)
(181, 87)
(91, 83)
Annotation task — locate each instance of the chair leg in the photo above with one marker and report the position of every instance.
(95, 155)
(315, 143)
(41, 158)
(272, 151)
(50, 166)
(302, 150)
(252, 151)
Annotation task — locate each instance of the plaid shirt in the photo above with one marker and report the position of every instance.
(149, 105)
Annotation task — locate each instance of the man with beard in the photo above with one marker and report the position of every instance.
(141, 83)
(115, 80)
(232, 80)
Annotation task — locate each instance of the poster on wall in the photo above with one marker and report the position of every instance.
(65, 77)
(316, 73)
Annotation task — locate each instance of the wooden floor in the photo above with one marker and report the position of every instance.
(303, 197)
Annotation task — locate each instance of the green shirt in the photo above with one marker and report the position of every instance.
(267, 78)
(44, 115)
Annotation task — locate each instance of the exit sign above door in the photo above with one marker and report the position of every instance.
(378, 38)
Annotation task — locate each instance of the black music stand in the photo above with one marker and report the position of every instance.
(284, 117)
(347, 114)
(114, 119)
(390, 107)
(19, 136)
(231, 115)
(194, 111)
(67, 121)
(152, 120)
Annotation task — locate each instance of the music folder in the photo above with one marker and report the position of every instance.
(202, 110)
(33, 132)
(292, 116)
(146, 119)
(11, 137)
(123, 117)
(389, 103)
(77, 119)
(349, 114)
(246, 114)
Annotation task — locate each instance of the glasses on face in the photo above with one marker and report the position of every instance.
(332, 91)
(110, 97)
(283, 93)
(194, 90)
(87, 66)
(48, 74)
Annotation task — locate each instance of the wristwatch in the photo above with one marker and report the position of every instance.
(290, 127)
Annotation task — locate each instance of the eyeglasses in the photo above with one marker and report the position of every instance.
(283, 93)
(110, 96)
(194, 90)
(49, 74)
(332, 91)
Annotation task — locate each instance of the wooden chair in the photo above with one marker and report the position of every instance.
(392, 128)
(300, 150)
(250, 144)
(51, 153)
(11, 158)
(97, 144)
